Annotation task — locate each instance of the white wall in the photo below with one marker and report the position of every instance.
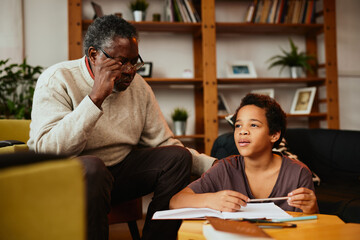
(11, 35)
(46, 31)
(46, 43)
(348, 48)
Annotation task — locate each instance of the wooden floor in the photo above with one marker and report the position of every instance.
(121, 231)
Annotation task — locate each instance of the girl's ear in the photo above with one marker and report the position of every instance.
(275, 137)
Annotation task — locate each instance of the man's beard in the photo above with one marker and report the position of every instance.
(119, 88)
(124, 82)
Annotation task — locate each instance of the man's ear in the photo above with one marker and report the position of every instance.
(93, 54)
(274, 137)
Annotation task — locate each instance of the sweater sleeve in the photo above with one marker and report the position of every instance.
(56, 127)
(157, 133)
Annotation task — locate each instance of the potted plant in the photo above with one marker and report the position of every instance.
(296, 61)
(179, 117)
(138, 8)
(17, 85)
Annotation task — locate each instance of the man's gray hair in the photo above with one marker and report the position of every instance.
(103, 30)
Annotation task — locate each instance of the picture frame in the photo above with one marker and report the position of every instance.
(223, 106)
(146, 70)
(303, 100)
(241, 69)
(268, 92)
(97, 9)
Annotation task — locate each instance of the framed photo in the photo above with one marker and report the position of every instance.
(269, 92)
(97, 9)
(223, 107)
(146, 70)
(303, 100)
(241, 69)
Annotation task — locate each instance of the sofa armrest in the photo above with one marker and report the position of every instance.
(14, 149)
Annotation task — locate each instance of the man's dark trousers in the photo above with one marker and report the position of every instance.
(162, 170)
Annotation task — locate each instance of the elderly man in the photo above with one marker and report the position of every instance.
(98, 108)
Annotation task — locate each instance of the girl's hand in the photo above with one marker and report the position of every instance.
(305, 199)
(226, 200)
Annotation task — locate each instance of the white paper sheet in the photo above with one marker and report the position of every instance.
(252, 210)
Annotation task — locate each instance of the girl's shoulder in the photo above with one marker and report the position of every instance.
(233, 161)
(293, 163)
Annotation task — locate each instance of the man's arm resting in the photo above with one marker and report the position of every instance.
(201, 162)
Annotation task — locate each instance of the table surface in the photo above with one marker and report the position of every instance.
(325, 227)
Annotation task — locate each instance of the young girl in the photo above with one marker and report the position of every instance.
(257, 172)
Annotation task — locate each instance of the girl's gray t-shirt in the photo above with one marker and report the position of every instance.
(229, 174)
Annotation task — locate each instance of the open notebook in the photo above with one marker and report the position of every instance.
(252, 210)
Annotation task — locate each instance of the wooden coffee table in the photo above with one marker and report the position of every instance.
(325, 227)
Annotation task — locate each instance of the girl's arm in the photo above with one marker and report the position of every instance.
(226, 200)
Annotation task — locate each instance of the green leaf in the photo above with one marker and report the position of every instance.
(179, 114)
(291, 58)
(17, 83)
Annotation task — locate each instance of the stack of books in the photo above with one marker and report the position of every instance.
(281, 11)
(181, 11)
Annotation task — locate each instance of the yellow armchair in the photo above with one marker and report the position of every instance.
(41, 198)
(126, 212)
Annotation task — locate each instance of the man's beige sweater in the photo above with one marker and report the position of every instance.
(66, 121)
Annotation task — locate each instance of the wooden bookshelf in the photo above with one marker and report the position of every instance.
(204, 53)
(176, 27)
(174, 80)
(309, 80)
(263, 28)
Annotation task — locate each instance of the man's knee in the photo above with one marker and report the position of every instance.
(95, 169)
(181, 156)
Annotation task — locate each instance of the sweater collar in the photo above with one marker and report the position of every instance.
(89, 67)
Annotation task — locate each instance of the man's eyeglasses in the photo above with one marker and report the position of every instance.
(136, 66)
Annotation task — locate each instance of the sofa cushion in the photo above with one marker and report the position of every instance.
(332, 154)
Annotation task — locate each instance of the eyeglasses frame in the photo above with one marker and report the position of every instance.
(137, 66)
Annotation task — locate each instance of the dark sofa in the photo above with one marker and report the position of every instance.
(334, 155)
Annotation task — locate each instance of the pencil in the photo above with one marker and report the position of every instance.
(268, 199)
(311, 217)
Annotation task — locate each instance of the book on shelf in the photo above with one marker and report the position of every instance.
(177, 14)
(302, 10)
(196, 14)
(296, 14)
(258, 10)
(190, 11)
(272, 12)
(281, 11)
(290, 11)
(284, 11)
(180, 11)
(265, 11)
(250, 13)
(183, 12)
(310, 12)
